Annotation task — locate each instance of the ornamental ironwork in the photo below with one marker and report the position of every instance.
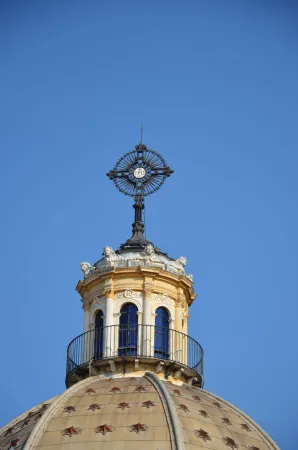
(139, 173)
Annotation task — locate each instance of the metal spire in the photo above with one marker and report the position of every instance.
(141, 134)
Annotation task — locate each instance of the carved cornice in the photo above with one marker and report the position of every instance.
(138, 273)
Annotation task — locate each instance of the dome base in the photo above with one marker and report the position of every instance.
(131, 364)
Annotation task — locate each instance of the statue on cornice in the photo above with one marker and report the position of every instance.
(110, 257)
(86, 268)
(178, 265)
(150, 257)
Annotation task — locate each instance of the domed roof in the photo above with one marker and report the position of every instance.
(129, 411)
(16, 432)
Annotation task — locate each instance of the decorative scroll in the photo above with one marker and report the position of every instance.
(128, 293)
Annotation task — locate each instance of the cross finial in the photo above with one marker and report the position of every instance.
(141, 134)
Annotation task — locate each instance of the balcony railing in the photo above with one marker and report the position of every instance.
(140, 341)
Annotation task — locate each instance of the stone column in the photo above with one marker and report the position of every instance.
(178, 353)
(185, 349)
(147, 329)
(86, 307)
(86, 345)
(171, 339)
(109, 331)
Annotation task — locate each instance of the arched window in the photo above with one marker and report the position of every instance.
(128, 332)
(98, 344)
(161, 335)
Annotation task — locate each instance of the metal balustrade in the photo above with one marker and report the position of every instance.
(140, 341)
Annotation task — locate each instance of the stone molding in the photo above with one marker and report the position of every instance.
(170, 410)
(139, 281)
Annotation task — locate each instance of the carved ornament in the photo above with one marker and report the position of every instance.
(97, 301)
(128, 293)
(164, 299)
(181, 300)
(85, 305)
(108, 289)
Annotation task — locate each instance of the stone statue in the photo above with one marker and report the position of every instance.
(110, 257)
(190, 277)
(150, 257)
(178, 265)
(86, 268)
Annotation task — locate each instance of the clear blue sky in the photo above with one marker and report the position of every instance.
(215, 84)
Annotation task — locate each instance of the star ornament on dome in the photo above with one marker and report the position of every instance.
(230, 442)
(202, 434)
(226, 421)
(94, 406)
(90, 391)
(148, 404)
(104, 429)
(252, 447)
(184, 408)
(245, 427)
(115, 389)
(217, 405)
(69, 409)
(177, 392)
(138, 427)
(8, 431)
(70, 431)
(204, 413)
(196, 398)
(26, 422)
(15, 442)
(123, 405)
(141, 389)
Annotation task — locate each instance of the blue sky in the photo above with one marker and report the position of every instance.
(215, 85)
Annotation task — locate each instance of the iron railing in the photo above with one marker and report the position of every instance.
(143, 341)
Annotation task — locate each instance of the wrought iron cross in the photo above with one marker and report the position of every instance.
(139, 173)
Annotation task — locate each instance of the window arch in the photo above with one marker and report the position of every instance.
(98, 341)
(161, 334)
(128, 330)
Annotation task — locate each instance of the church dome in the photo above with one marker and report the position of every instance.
(129, 411)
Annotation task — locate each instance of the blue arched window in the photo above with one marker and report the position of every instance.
(98, 344)
(161, 335)
(128, 332)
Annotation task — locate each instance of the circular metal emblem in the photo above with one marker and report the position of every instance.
(139, 172)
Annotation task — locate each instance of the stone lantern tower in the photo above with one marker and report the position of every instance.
(135, 377)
